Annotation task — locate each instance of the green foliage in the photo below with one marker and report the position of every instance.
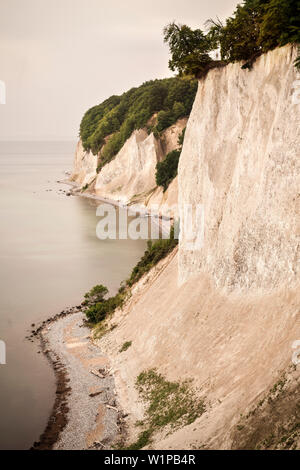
(172, 404)
(238, 39)
(297, 61)
(256, 26)
(280, 23)
(95, 295)
(181, 138)
(125, 346)
(155, 252)
(166, 170)
(144, 439)
(97, 308)
(106, 127)
(189, 49)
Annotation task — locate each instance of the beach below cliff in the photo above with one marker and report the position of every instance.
(85, 413)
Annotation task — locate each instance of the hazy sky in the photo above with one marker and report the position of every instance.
(60, 57)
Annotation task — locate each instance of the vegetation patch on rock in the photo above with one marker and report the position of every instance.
(105, 128)
(166, 170)
(274, 424)
(97, 307)
(170, 405)
(125, 346)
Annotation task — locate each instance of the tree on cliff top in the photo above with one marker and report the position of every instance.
(238, 38)
(95, 295)
(255, 27)
(189, 49)
(280, 23)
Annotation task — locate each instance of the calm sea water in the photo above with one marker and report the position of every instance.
(49, 257)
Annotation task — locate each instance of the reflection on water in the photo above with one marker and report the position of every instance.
(50, 256)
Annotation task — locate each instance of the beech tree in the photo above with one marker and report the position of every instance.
(96, 295)
(280, 23)
(189, 49)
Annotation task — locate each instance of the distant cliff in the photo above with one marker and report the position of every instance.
(130, 176)
(124, 138)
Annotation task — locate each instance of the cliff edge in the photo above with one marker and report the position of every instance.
(241, 162)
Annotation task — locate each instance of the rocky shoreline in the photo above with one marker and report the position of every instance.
(59, 414)
(59, 419)
(85, 414)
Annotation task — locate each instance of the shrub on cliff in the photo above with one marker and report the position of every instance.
(97, 311)
(97, 308)
(107, 126)
(95, 295)
(155, 252)
(166, 170)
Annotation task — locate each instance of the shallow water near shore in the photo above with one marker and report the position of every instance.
(50, 256)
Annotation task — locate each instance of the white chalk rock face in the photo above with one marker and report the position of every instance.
(132, 171)
(85, 166)
(130, 176)
(165, 203)
(240, 160)
(169, 137)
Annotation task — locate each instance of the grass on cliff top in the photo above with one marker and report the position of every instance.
(170, 405)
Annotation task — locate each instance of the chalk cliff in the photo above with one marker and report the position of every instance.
(132, 172)
(85, 166)
(228, 313)
(241, 161)
(130, 176)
